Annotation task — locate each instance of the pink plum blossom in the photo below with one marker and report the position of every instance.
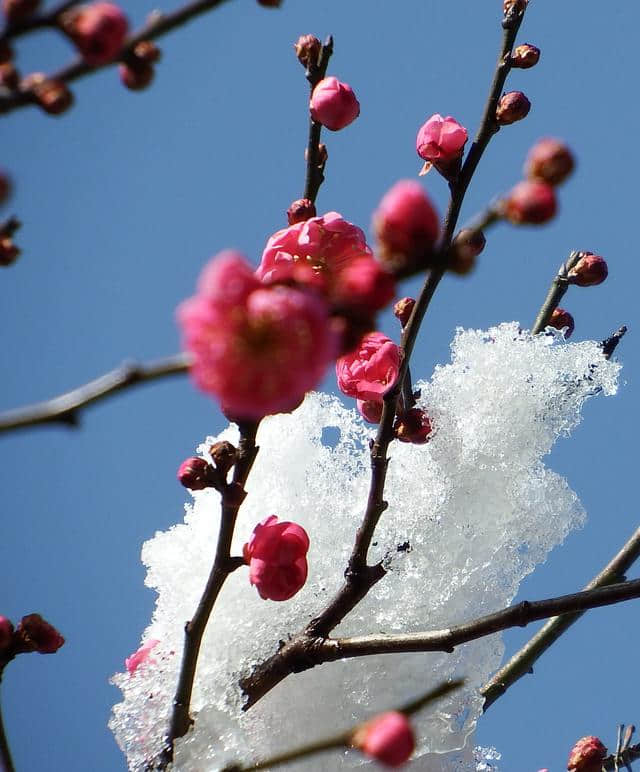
(388, 738)
(133, 662)
(440, 139)
(333, 104)
(99, 30)
(587, 755)
(257, 348)
(276, 556)
(368, 371)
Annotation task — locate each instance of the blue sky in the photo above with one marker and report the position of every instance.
(125, 197)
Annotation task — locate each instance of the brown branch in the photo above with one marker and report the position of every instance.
(65, 408)
(232, 496)
(159, 24)
(315, 162)
(6, 762)
(559, 286)
(521, 663)
(610, 344)
(360, 577)
(15, 29)
(446, 640)
(615, 761)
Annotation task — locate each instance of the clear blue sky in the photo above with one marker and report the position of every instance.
(123, 200)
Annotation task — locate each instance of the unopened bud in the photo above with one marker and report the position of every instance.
(413, 426)
(300, 211)
(370, 410)
(388, 738)
(467, 245)
(549, 160)
(9, 252)
(224, 456)
(195, 473)
(513, 106)
(35, 634)
(98, 31)
(136, 74)
(587, 755)
(510, 7)
(9, 76)
(530, 203)
(5, 186)
(525, 56)
(147, 51)
(53, 96)
(561, 319)
(588, 271)
(6, 634)
(308, 50)
(15, 10)
(402, 310)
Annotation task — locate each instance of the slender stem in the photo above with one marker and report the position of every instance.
(315, 163)
(15, 29)
(65, 408)
(300, 651)
(521, 663)
(233, 495)
(625, 757)
(159, 24)
(519, 615)
(6, 762)
(558, 287)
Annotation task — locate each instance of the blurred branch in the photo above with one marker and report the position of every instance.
(6, 762)
(65, 408)
(19, 27)
(232, 496)
(315, 161)
(359, 576)
(159, 24)
(522, 662)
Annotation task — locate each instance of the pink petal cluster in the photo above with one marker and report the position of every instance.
(587, 755)
(133, 662)
(99, 30)
(368, 371)
(441, 139)
(333, 104)
(332, 255)
(406, 224)
(257, 348)
(276, 556)
(388, 738)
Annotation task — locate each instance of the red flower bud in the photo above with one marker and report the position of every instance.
(530, 203)
(560, 319)
(276, 556)
(224, 456)
(363, 286)
(307, 50)
(525, 56)
(402, 310)
(53, 96)
(98, 30)
(512, 107)
(413, 426)
(35, 634)
(147, 51)
(587, 755)
(6, 634)
(270, 3)
(9, 252)
(550, 161)
(588, 271)
(136, 75)
(370, 410)
(514, 6)
(333, 104)
(406, 225)
(300, 211)
(388, 738)
(195, 473)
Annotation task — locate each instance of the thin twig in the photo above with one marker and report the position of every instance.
(521, 663)
(559, 286)
(610, 344)
(359, 576)
(65, 409)
(315, 163)
(232, 495)
(159, 24)
(6, 762)
(15, 29)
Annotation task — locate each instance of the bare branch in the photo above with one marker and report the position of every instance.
(521, 663)
(559, 286)
(315, 163)
(65, 408)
